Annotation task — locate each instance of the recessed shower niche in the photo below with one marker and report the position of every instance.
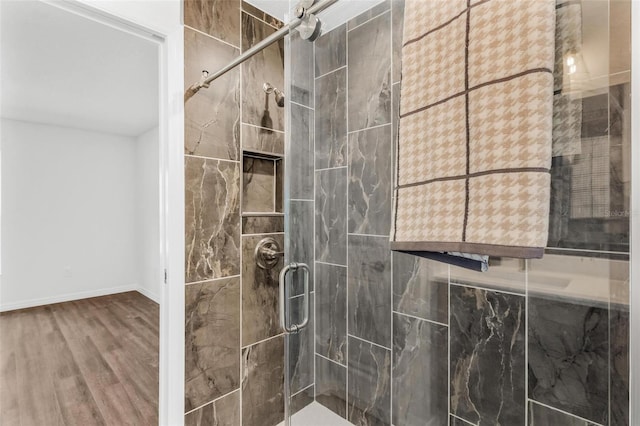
(262, 183)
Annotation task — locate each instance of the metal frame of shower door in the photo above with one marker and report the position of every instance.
(634, 281)
(171, 207)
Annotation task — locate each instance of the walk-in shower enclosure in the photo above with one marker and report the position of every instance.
(392, 338)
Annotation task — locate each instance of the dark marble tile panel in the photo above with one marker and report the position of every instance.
(258, 185)
(302, 151)
(369, 384)
(301, 242)
(219, 18)
(487, 356)
(302, 399)
(369, 287)
(331, 51)
(252, 10)
(420, 287)
(331, 120)
(262, 140)
(302, 78)
(370, 186)
(279, 201)
(540, 415)
(212, 219)
(331, 386)
(369, 14)
(262, 224)
(260, 318)
(420, 372)
(569, 357)
(369, 87)
(301, 346)
(619, 365)
(212, 116)
(505, 274)
(397, 26)
(455, 421)
(331, 212)
(267, 66)
(331, 317)
(223, 412)
(212, 340)
(263, 383)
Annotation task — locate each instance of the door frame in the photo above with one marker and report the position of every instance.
(170, 45)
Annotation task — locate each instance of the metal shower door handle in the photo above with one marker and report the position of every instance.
(284, 297)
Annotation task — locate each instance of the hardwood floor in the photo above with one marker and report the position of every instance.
(87, 362)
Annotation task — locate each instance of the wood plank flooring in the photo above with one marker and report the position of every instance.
(87, 362)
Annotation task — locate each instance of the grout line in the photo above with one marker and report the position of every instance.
(213, 279)
(526, 341)
(366, 235)
(370, 19)
(240, 134)
(331, 168)
(264, 128)
(449, 344)
(212, 158)
(367, 341)
(312, 131)
(301, 105)
(591, 422)
(263, 233)
(301, 390)
(327, 73)
(346, 226)
(421, 319)
(391, 280)
(486, 288)
(331, 360)
(262, 341)
(214, 37)
(331, 264)
(461, 419)
(377, 126)
(299, 199)
(212, 401)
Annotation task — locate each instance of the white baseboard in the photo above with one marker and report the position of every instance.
(148, 294)
(75, 296)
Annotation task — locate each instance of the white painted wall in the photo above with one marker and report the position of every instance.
(68, 214)
(147, 213)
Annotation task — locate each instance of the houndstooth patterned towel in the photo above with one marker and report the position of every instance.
(475, 127)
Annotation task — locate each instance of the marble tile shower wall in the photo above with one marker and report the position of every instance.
(234, 347)
(407, 341)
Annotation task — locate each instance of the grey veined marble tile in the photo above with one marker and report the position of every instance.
(331, 50)
(420, 372)
(223, 412)
(301, 346)
(302, 152)
(540, 415)
(331, 386)
(397, 23)
(420, 287)
(212, 340)
(331, 316)
(219, 18)
(301, 242)
(569, 357)
(487, 356)
(331, 120)
(369, 384)
(302, 78)
(212, 219)
(266, 66)
(369, 286)
(331, 216)
(259, 294)
(370, 181)
(261, 139)
(258, 185)
(262, 383)
(619, 364)
(369, 65)
(212, 116)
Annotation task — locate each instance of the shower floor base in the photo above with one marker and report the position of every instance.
(316, 414)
